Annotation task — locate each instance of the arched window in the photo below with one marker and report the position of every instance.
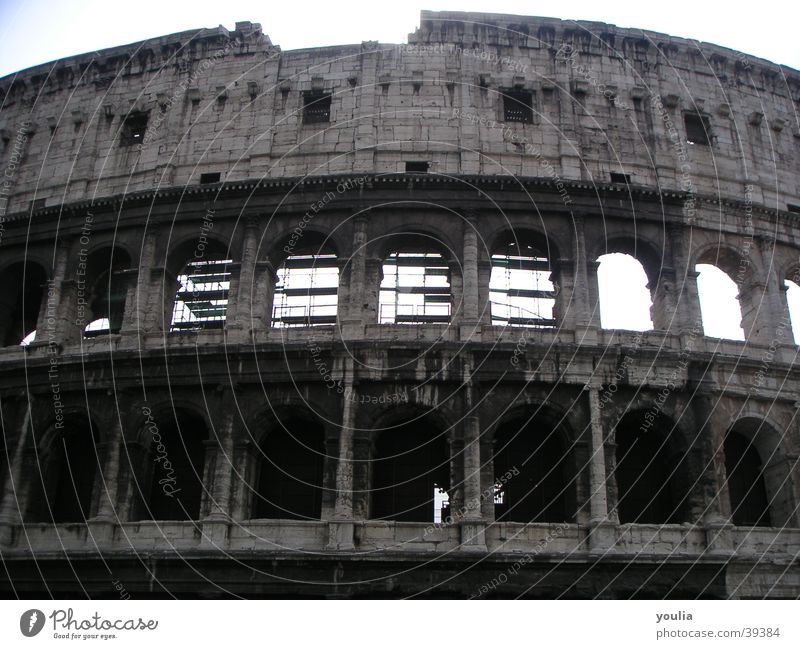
(521, 290)
(532, 469)
(625, 300)
(307, 289)
(22, 287)
(650, 471)
(176, 462)
(202, 298)
(793, 302)
(746, 488)
(291, 459)
(719, 304)
(69, 466)
(108, 288)
(415, 286)
(411, 473)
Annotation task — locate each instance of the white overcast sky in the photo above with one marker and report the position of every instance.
(38, 31)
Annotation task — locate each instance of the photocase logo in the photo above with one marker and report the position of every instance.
(31, 622)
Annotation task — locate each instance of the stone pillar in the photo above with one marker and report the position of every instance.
(470, 282)
(143, 296)
(601, 534)
(764, 319)
(108, 481)
(221, 486)
(241, 318)
(56, 322)
(586, 316)
(687, 316)
(473, 527)
(353, 317)
(341, 528)
(264, 294)
(10, 506)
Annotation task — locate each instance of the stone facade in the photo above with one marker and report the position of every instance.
(104, 155)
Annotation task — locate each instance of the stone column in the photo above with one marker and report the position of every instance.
(142, 296)
(264, 294)
(221, 486)
(353, 319)
(241, 319)
(108, 480)
(473, 527)
(586, 316)
(687, 302)
(601, 534)
(470, 282)
(10, 510)
(764, 319)
(341, 528)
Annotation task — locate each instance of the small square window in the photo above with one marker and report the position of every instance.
(133, 129)
(698, 129)
(518, 106)
(207, 179)
(794, 209)
(316, 108)
(623, 179)
(417, 167)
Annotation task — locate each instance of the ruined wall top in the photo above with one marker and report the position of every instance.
(604, 101)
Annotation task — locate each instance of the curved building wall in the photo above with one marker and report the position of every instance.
(207, 418)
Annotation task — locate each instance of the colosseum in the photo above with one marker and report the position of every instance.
(326, 322)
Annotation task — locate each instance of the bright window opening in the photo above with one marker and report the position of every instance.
(793, 299)
(719, 303)
(520, 289)
(415, 288)
(306, 292)
(202, 298)
(624, 297)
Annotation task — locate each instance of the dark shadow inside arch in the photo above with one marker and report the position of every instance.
(22, 287)
(176, 484)
(652, 482)
(108, 285)
(534, 478)
(411, 462)
(291, 461)
(69, 465)
(746, 486)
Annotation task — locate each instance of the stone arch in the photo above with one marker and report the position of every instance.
(101, 296)
(524, 278)
(717, 302)
(291, 458)
(22, 296)
(65, 466)
(533, 465)
(410, 462)
(652, 468)
(171, 467)
(757, 474)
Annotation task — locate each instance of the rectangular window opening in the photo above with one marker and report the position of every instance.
(795, 209)
(209, 178)
(698, 129)
(133, 129)
(518, 106)
(316, 108)
(624, 179)
(417, 167)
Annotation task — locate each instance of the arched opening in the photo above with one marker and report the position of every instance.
(291, 466)
(745, 479)
(22, 288)
(69, 466)
(652, 482)
(533, 470)
(521, 290)
(307, 288)
(719, 303)
(177, 458)
(201, 300)
(625, 300)
(108, 288)
(411, 472)
(793, 302)
(416, 283)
